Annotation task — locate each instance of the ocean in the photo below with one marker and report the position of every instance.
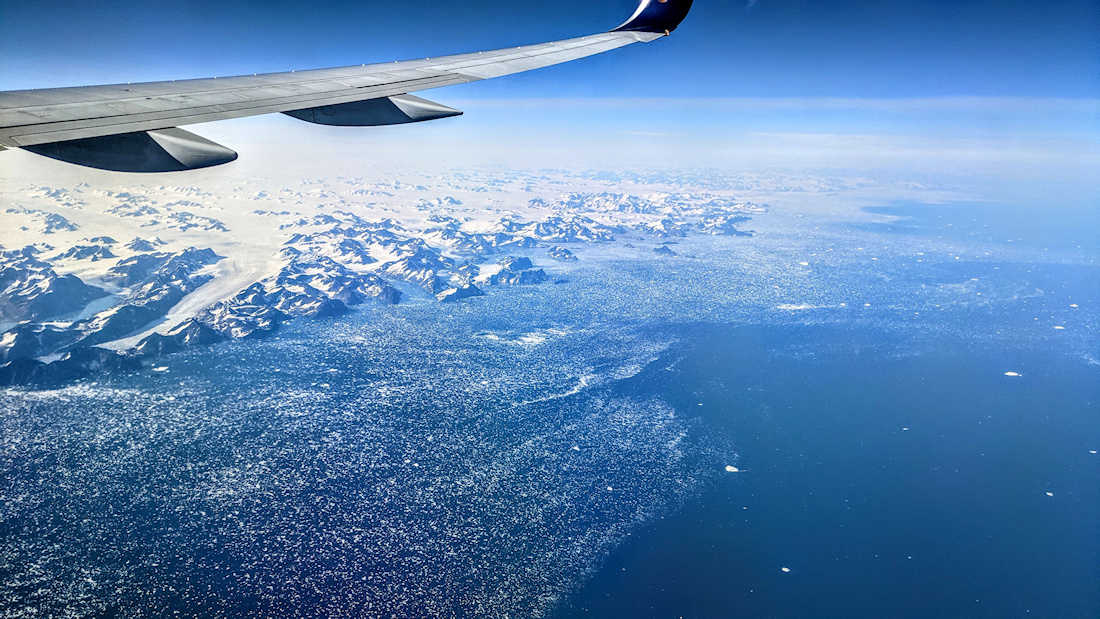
(879, 477)
(896, 417)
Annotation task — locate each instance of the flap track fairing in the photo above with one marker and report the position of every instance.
(396, 110)
(162, 150)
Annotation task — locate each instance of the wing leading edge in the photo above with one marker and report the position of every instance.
(89, 125)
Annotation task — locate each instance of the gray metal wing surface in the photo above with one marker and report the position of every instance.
(73, 119)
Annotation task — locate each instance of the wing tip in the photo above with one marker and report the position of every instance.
(659, 16)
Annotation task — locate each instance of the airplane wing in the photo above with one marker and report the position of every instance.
(134, 127)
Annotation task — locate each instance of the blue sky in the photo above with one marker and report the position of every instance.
(1001, 87)
(771, 48)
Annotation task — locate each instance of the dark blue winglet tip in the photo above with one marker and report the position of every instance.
(660, 16)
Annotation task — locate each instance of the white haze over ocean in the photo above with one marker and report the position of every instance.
(998, 147)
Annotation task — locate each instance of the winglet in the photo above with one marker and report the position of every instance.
(660, 16)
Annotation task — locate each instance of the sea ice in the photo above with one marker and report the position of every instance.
(532, 339)
(794, 307)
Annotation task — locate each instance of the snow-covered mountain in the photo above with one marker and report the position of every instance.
(75, 301)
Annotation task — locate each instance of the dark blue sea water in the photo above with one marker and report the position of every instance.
(890, 485)
(563, 450)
